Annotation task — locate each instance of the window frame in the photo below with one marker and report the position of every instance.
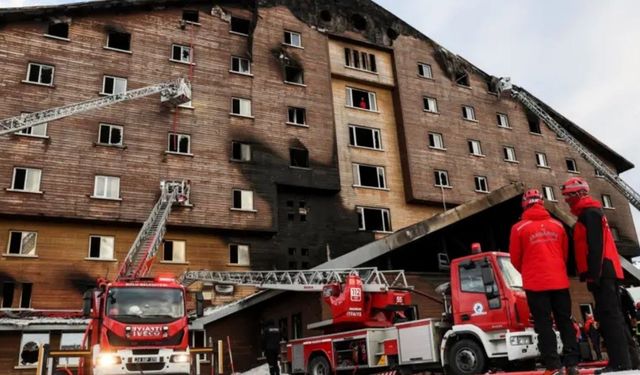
(295, 110)
(232, 31)
(27, 173)
(243, 194)
(475, 147)
(541, 156)
(607, 202)
(107, 46)
(360, 60)
(70, 361)
(179, 136)
(191, 11)
(111, 127)
(39, 81)
(548, 193)
(380, 176)
(421, 66)
(238, 246)
(503, 120)
(507, 155)
(50, 35)
(106, 187)
(38, 341)
(28, 132)
(240, 71)
(100, 256)
(441, 172)
(291, 34)
(299, 72)
(182, 48)
(575, 165)
(428, 101)
(376, 137)
(115, 79)
(466, 110)
(243, 147)
(20, 252)
(478, 181)
(371, 97)
(240, 107)
(291, 158)
(432, 138)
(173, 252)
(385, 216)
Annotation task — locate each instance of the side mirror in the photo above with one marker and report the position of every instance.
(86, 303)
(199, 304)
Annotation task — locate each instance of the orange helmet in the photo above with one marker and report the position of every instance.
(573, 185)
(530, 197)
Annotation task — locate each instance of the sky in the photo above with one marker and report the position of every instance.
(579, 56)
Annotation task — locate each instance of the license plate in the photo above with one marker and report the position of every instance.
(145, 359)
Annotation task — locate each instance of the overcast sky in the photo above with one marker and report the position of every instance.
(579, 56)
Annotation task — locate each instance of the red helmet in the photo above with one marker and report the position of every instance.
(573, 185)
(531, 196)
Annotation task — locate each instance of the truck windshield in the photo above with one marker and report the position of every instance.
(510, 274)
(148, 305)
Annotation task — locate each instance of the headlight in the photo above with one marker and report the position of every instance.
(521, 340)
(181, 358)
(108, 359)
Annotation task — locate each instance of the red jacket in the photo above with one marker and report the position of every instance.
(595, 248)
(539, 248)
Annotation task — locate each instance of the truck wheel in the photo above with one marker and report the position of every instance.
(466, 357)
(319, 366)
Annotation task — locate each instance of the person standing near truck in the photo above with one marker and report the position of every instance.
(539, 248)
(598, 264)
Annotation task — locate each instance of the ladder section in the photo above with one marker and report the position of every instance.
(171, 93)
(632, 196)
(373, 280)
(145, 247)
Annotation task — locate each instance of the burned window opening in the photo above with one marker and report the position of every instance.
(25, 299)
(299, 158)
(240, 25)
(359, 22)
(58, 29)
(293, 74)
(240, 151)
(392, 34)
(534, 122)
(373, 219)
(369, 176)
(119, 40)
(191, 16)
(462, 78)
(8, 289)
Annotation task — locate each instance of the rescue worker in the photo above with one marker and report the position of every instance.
(629, 315)
(271, 346)
(539, 248)
(598, 264)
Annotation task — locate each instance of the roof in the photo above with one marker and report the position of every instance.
(27, 319)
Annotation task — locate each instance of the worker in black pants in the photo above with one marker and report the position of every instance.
(271, 346)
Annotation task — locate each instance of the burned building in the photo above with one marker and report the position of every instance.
(314, 129)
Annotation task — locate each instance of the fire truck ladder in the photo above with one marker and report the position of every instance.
(171, 93)
(608, 173)
(373, 280)
(145, 247)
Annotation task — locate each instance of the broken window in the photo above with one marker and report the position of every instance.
(468, 113)
(239, 254)
(441, 178)
(368, 176)
(119, 40)
(113, 85)
(175, 251)
(240, 25)
(293, 74)
(424, 70)
(298, 158)
(242, 200)
(110, 135)
(503, 120)
(534, 123)
(58, 29)
(297, 116)
(360, 136)
(481, 184)
(25, 298)
(107, 187)
(240, 151)
(548, 193)
(541, 160)
(373, 219)
(101, 247)
(180, 53)
(430, 104)
(8, 289)
(474, 147)
(240, 65)
(29, 345)
(179, 143)
(571, 165)
(40, 73)
(360, 60)
(241, 107)
(462, 78)
(26, 179)
(192, 16)
(22, 243)
(509, 153)
(435, 141)
(606, 201)
(292, 39)
(361, 99)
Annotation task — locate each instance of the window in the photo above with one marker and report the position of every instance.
(571, 165)
(598, 173)
(360, 60)
(304, 252)
(293, 74)
(424, 70)
(541, 160)
(240, 65)
(241, 107)
(239, 254)
(179, 143)
(481, 184)
(548, 193)
(107, 187)
(435, 141)
(39, 130)
(192, 16)
(101, 247)
(292, 251)
(368, 176)
(29, 346)
(8, 289)
(240, 151)
(113, 85)
(474, 147)
(22, 243)
(534, 123)
(361, 99)
(471, 279)
(503, 120)
(25, 298)
(243, 200)
(297, 116)
(119, 40)
(606, 201)
(110, 135)
(58, 29)
(441, 178)
(298, 158)
(468, 113)
(40, 73)
(430, 104)
(462, 78)
(240, 25)
(26, 179)
(296, 326)
(70, 341)
(364, 137)
(509, 153)
(373, 219)
(175, 251)
(180, 53)
(292, 39)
